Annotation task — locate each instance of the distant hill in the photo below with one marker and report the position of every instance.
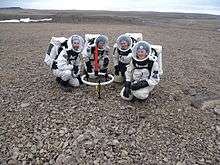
(163, 19)
(10, 8)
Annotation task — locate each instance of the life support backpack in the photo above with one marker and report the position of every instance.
(57, 44)
(135, 37)
(157, 51)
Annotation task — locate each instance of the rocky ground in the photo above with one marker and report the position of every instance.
(178, 125)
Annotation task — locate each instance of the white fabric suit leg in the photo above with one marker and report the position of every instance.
(64, 75)
(74, 82)
(142, 93)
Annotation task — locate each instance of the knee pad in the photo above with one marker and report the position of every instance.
(140, 94)
(66, 75)
(74, 82)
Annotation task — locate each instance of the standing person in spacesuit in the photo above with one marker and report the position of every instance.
(96, 55)
(67, 66)
(122, 56)
(142, 73)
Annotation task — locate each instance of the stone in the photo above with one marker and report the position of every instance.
(41, 151)
(52, 162)
(108, 154)
(69, 151)
(96, 162)
(131, 131)
(217, 111)
(115, 142)
(65, 144)
(30, 156)
(181, 163)
(124, 153)
(130, 107)
(15, 153)
(165, 159)
(80, 138)
(23, 105)
(60, 159)
(83, 153)
(12, 162)
(218, 129)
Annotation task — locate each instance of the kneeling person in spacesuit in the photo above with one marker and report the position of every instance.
(96, 55)
(122, 56)
(67, 68)
(142, 73)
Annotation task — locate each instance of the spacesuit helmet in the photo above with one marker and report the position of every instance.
(141, 51)
(77, 43)
(101, 42)
(124, 42)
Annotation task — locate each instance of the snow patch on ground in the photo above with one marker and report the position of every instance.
(26, 20)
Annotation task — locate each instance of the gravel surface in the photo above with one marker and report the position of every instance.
(41, 124)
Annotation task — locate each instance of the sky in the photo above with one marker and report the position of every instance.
(186, 6)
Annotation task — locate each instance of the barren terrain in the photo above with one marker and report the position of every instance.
(179, 124)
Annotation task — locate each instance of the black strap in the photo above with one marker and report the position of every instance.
(91, 41)
(149, 66)
(154, 52)
(64, 44)
(49, 48)
(71, 53)
(121, 53)
(59, 51)
(114, 50)
(133, 40)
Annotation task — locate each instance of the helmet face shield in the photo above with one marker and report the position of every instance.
(101, 42)
(124, 43)
(77, 43)
(141, 51)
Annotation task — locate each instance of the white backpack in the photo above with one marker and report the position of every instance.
(57, 44)
(135, 37)
(158, 49)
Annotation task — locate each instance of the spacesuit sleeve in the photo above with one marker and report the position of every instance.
(50, 55)
(129, 57)
(106, 54)
(155, 76)
(115, 55)
(129, 72)
(86, 54)
(62, 62)
(78, 64)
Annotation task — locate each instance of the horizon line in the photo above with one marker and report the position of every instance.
(175, 12)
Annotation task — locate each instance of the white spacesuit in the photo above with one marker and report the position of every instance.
(142, 73)
(122, 54)
(67, 66)
(95, 55)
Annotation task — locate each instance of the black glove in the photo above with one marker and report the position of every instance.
(75, 69)
(127, 90)
(96, 73)
(139, 85)
(105, 62)
(116, 70)
(89, 66)
(103, 70)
